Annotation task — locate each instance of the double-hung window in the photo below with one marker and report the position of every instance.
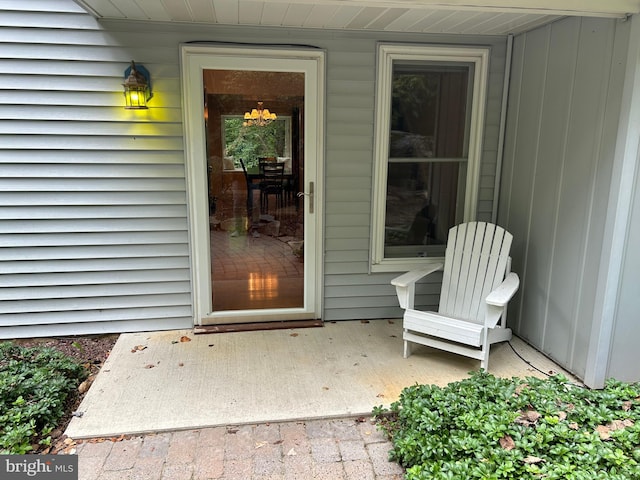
(428, 142)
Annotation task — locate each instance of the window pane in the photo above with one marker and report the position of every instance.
(422, 204)
(252, 142)
(427, 157)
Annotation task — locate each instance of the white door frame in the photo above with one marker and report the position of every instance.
(194, 60)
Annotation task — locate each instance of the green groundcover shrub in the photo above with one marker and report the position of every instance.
(489, 428)
(34, 386)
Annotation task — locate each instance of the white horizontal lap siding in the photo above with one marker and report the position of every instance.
(105, 189)
(486, 191)
(348, 161)
(350, 291)
(349, 155)
(92, 197)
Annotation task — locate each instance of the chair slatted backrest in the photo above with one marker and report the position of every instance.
(262, 161)
(475, 263)
(273, 176)
(273, 171)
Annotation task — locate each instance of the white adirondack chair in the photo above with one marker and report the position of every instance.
(476, 286)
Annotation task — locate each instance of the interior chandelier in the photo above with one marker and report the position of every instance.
(259, 117)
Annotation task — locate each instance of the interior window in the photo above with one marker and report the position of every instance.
(427, 150)
(250, 143)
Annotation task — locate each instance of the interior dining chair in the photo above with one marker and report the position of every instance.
(262, 161)
(272, 184)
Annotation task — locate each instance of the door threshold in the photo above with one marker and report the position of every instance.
(250, 327)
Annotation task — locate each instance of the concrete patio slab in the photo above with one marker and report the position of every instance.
(175, 380)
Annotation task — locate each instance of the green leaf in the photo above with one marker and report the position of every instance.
(34, 386)
(455, 431)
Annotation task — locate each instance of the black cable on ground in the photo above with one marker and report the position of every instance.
(527, 361)
(538, 370)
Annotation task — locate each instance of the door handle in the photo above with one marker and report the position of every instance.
(310, 195)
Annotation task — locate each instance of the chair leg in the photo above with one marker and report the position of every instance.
(407, 349)
(486, 346)
(484, 362)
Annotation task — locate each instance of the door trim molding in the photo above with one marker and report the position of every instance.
(194, 59)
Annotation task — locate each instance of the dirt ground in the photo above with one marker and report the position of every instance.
(91, 351)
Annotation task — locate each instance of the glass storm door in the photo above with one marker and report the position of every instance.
(256, 173)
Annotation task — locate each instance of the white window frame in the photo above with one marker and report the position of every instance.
(387, 53)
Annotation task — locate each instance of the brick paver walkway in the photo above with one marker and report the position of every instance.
(317, 449)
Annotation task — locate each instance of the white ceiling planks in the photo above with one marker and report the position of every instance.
(227, 12)
(494, 17)
(154, 9)
(297, 15)
(201, 10)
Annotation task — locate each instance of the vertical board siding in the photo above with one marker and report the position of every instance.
(624, 359)
(92, 197)
(114, 179)
(558, 159)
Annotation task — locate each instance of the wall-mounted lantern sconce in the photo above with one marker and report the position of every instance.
(137, 87)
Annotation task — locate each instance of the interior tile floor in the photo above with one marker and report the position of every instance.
(255, 271)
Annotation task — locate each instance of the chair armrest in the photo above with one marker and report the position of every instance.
(413, 276)
(406, 284)
(507, 289)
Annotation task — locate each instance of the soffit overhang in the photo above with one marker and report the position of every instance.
(464, 17)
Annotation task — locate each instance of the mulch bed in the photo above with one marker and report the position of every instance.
(90, 351)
